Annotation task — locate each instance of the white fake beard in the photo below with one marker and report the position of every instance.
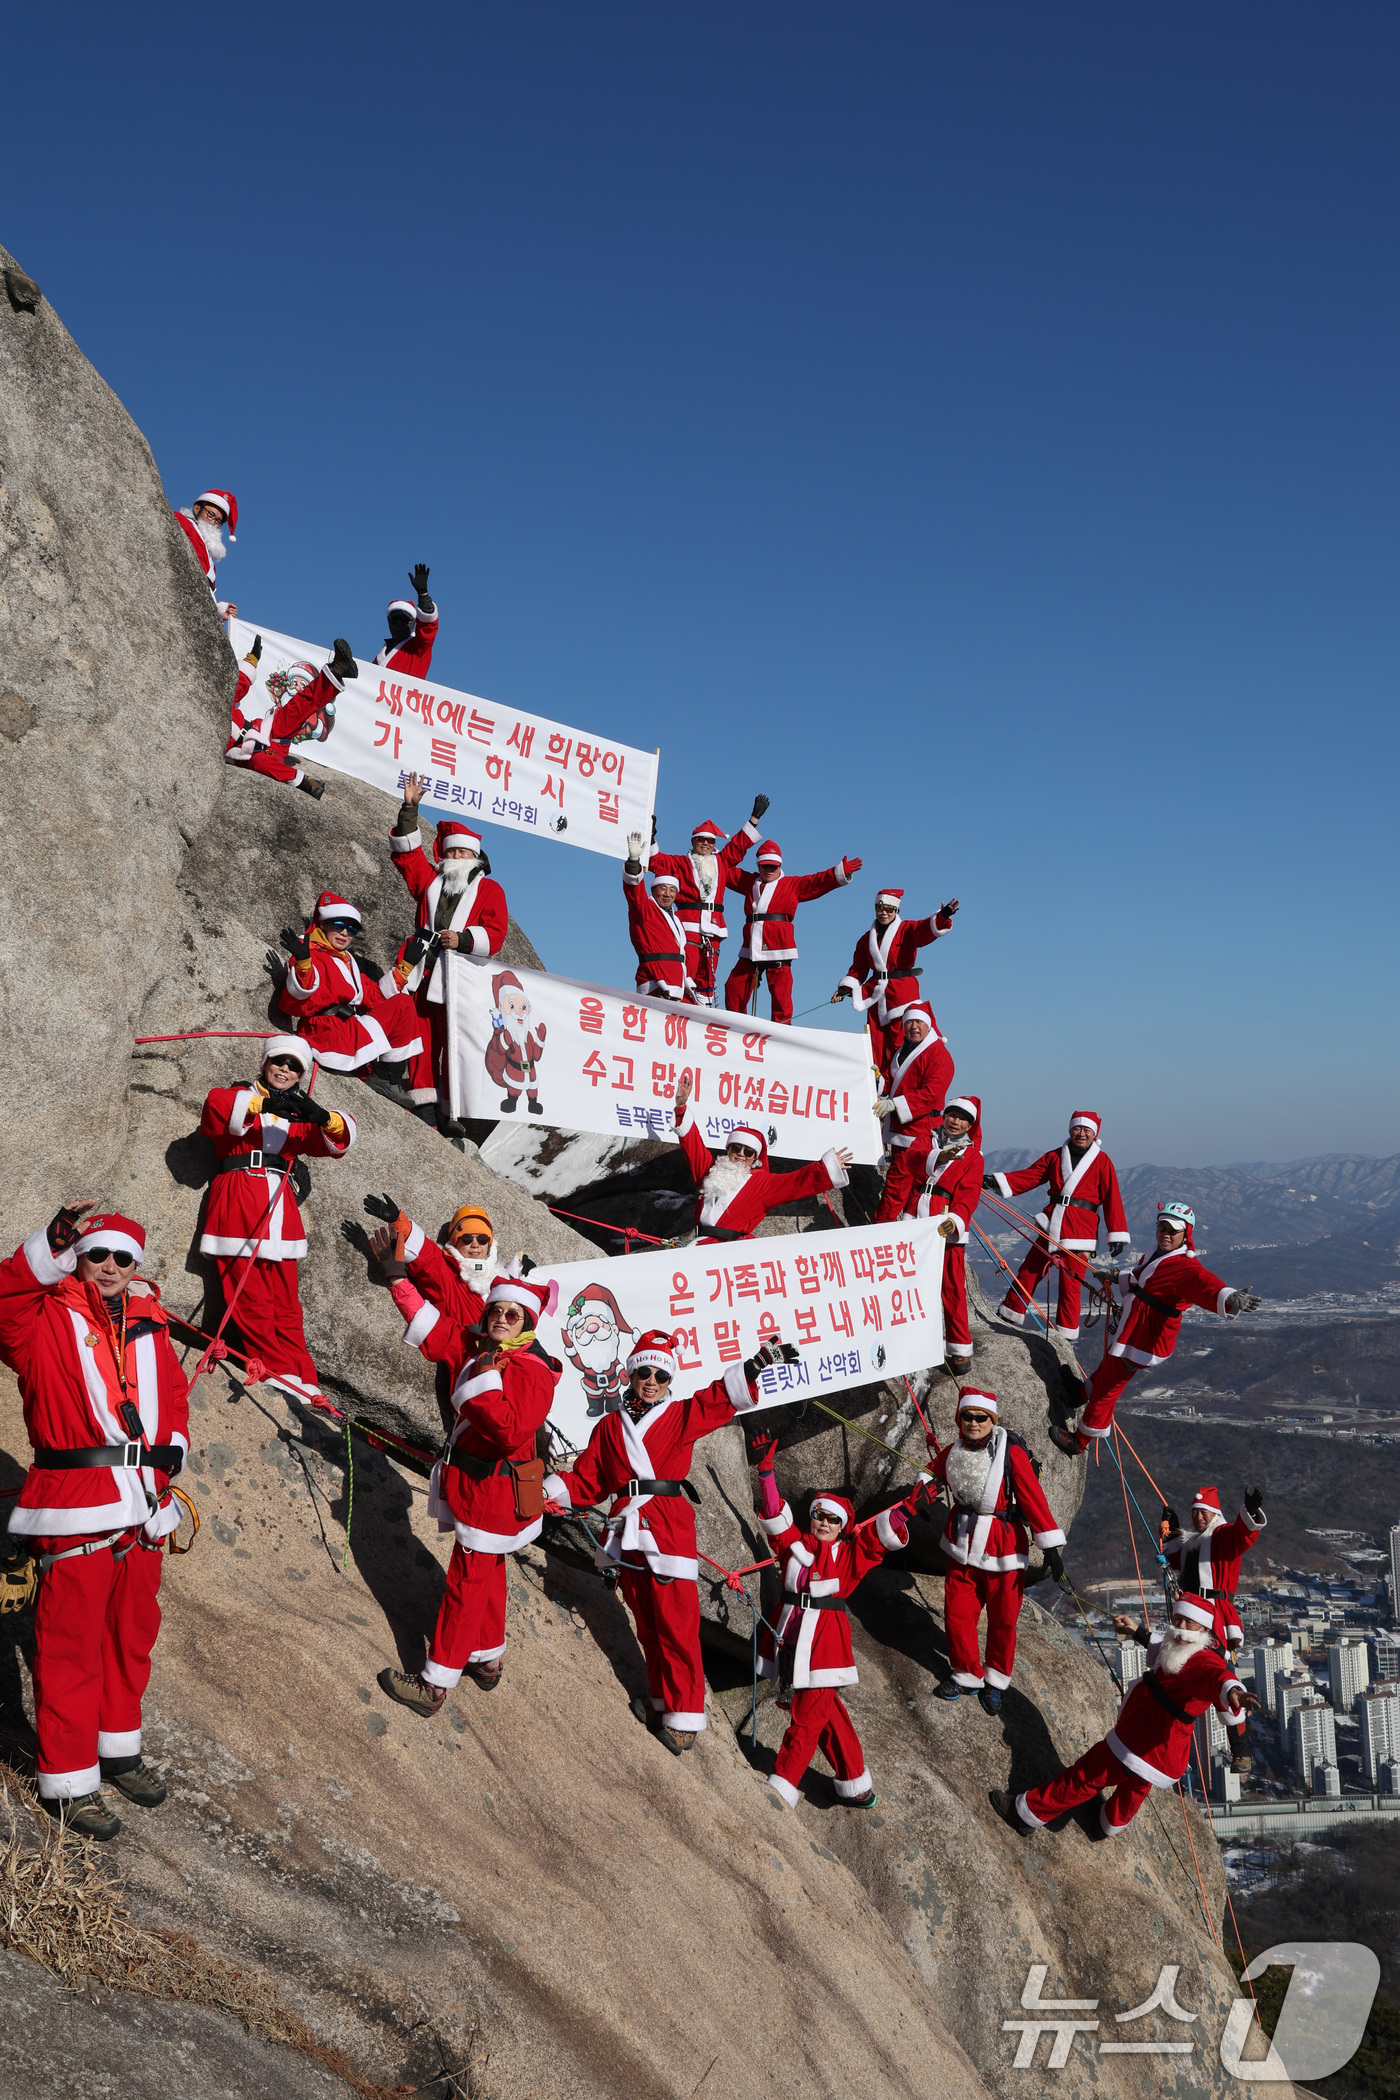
(967, 1471)
(706, 875)
(1179, 1644)
(725, 1178)
(456, 874)
(598, 1351)
(213, 539)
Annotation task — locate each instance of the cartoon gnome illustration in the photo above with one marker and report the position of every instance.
(515, 1048)
(597, 1340)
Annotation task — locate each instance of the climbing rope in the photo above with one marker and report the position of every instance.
(626, 1233)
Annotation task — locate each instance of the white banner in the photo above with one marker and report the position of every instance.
(860, 1305)
(485, 763)
(595, 1059)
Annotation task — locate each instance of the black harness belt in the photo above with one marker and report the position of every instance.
(479, 1468)
(1178, 1713)
(660, 1487)
(124, 1458)
(1158, 1304)
(806, 1602)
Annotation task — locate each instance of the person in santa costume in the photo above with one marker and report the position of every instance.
(952, 1192)
(657, 933)
(1083, 1183)
(263, 743)
(882, 980)
(701, 878)
(348, 1021)
(1157, 1290)
(1150, 1742)
(640, 1455)
(413, 626)
(997, 1499)
(252, 1228)
(911, 1108)
(1206, 1561)
(106, 1411)
(770, 942)
(203, 526)
(811, 1657)
(486, 1486)
(735, 1191)
(467, 1242)
(459, 908)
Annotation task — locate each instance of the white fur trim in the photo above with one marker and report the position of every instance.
(848, 1789)
(693, 1724)
(1111, 1830)
(440, 1675)
(968, 1682)
(1024, 1813)
(476, 1541)
(887, 1535)
(1152, 1773)
(839, 1176)
(557, 1490)
(783, 1788)
(63, 1786)
(1003, 1187)
(338, 911)
(1050, 1538)
(1226, 1291)
(421, 1326)
(292, 984)
(404, 842)
(45, 1266)
(773, 1525)
(737, 1387)
(124, 1743)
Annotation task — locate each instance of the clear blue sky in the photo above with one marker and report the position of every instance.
(977, 428)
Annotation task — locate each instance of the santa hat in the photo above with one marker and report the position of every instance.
(745, 1134)
(537, 1299)
(404, 605)
(598, 1294)
(329, 906)
(971, 1396)
(451, 836)
(663, 882)
(770, 854)
(919, 1010)
(1199, 1610)
(708, 830)
(888, 897)
(290, 1046)
(505, 981)
(655, 1349)
(226, 503)
(469, 1214)
(1177, 1215)
(968, 1105)
(1089, 1116)
(112, 1230)
(1208, 1498)
(834, 1505)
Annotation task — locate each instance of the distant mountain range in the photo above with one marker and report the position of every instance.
(1308, 1226)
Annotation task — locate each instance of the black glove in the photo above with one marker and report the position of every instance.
(254, 655)
(300, 948)
(989, 1182)
(526, 1264)
(418, 577)
(383, 1207)
(1054, 1563)
(769, 1354)
(1169, 1516)
(1254, 1505)
(343, 665)
(421, 947)
(760, 804)
(295, 1107)
(65, 1227)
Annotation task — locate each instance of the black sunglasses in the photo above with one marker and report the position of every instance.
(650, 1371)
(123, 1261)
(472, 1239)
(341, 925)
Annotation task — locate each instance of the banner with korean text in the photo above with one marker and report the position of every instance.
(588, 1058)
(484, 762)
(860, 1305)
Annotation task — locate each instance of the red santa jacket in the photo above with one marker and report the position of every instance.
(733, 1217)
(1077, 1195)
(1151, 1739)
(439, 1285)
(500, 1398)
(954, 1189)
(59, 1339)
(821, 1640)
(480, 913)
(1208, 1563)
(237, 1219)
(992, 1511)
(882, 972)
(697, 912)
(342, 1042)
(205, 559)
(659, 939)
(413, 658)
(1156, 1291)
(770, 905)
(647, 1530)
(918, 1087)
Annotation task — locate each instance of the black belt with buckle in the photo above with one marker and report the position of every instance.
(478, 1468)
(660, 1487)
(252, 1163)
(805, 1601)
(125, 1458)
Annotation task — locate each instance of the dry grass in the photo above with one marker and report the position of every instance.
(58, 1906)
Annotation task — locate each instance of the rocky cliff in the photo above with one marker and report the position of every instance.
(526, 1896)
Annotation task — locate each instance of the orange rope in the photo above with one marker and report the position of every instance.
(1150, 1481)
(1132, 1535)
(1200, 1882)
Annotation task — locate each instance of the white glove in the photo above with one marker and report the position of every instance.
(634, 845)
(884, 1107)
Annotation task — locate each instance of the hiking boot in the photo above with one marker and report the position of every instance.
(448, 1126)
(1243, 1763)
(1067, 1439)
(989, 1699)
(677, 1740)
(137, 1781)
(343, 665)
(949, 1692)
(390, 1082)
(426, 1113)
(314, 788)
(410, 1690)
(646, 1713)
(86, 1815)
(1074, 1390)
(485, 1675)
(865, 1800)
(1005, 1806)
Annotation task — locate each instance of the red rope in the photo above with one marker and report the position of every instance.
(732, 1575)
(626, 1232)
(196, 1035)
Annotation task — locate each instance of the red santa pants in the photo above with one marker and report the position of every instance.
(667, 1616)
(95, 1624)
(957, 1335)
(820, 1722)
(471, 1620)
(1104, 1387)
(1079, 1782)
(884, 1044)
(341, 1045)
(268, 1319)
(701, 964)
(274, 760)
(967, 1593)
(907, 1172)
(1028, 1276)
(739, 988)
